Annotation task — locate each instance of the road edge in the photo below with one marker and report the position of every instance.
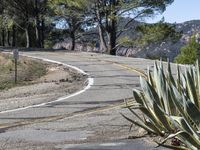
(90, 82)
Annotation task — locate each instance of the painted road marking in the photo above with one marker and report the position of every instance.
(66, 116)
(54, 118)
(89, 84)
(131, 69)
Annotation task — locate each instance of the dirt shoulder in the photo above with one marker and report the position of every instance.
(57, 82)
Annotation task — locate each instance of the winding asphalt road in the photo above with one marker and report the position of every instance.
(89, 120)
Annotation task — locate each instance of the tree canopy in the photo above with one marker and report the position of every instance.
(189, 53)
(33, 21)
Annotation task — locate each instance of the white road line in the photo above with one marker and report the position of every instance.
(89, 80)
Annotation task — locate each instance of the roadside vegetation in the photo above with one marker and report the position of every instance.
(36, 23)
(28, 71)
(170, 106)
(189, 53)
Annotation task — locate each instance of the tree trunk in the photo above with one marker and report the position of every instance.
(37, 33)
(112, 38)
(0, 40)
(72, 35)
(8, 38)
(3, 37)
(111, 28)
(28, 43)
(42, 33)
(13, 35)
(27, 31)
(37, 26)
(103, 46)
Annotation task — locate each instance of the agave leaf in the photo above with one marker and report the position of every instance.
(161, 86)
(161, 64)
(183, 125)
(184, 84)
(155, 68)
(140, 124)
(162, 96)
(177, 99)
(193, 112)
(133, 112)
(159, 78)
(191, 117)
(192, 140)
(194, 74)
(171, 136)
(162, 116)
(149, 92)
(137, 97)
(198, 81)
(151, 95)
(149, 77)
(173, 110)
(155, 72)
(178, 82)
(151, 116)
(171, 78)
(189, 140)
(191, 88)
(185, 137)
(191, 72)
(172, 147)
(181, 105)
(154, 127)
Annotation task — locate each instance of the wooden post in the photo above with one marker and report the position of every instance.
(16, 57)
(15, 70)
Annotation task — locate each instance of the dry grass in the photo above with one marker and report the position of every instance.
(28, 71)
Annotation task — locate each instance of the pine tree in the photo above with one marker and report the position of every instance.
(72, 13)
(189, 53)
(111, 11)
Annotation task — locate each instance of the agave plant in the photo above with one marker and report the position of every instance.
(170, 105)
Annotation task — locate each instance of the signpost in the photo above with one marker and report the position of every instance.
(16, 57)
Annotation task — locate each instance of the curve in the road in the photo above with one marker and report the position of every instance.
(89, 84)
(89, 80)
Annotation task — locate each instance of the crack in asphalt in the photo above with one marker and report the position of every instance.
(6, 126)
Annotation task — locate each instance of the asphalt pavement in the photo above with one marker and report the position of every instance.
(88, 120)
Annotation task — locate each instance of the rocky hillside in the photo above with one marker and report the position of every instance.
(165, 49)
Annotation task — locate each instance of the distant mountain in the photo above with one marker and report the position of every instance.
(189, 28)
(165, 49)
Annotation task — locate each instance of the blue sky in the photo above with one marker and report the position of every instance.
(181, 11)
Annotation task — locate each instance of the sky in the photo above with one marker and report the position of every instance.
(180, 11)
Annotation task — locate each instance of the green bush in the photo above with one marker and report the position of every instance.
(48, 44)
(189, 53)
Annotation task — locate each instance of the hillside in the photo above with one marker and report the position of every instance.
(165, 49)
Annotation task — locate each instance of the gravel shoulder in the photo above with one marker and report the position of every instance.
(58, 82)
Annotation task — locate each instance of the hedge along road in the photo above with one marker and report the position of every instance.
(88, 116)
